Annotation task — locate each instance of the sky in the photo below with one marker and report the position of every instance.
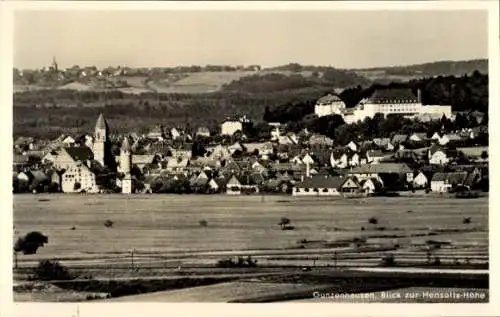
(342, 39)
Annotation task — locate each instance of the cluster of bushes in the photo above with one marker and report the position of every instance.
(51, 271)
(237, 263)
(19, 187)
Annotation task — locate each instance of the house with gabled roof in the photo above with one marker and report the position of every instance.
(285, 140)
(156, 133)
(381, 142)
(451, 137)
(203, 132)
(340, 159)
(418, 137)
(296, 160)
(438, 156)
(381, 170)
(219, 152)
(69, 156)
(140, 161)
(307, 159)
(351, 185)
(240, 184)
(69, 140)
(236, 146)
(398, 139)
(237, 167)
(175, 133)
(177, 164)
(420, 180)
(371, 185)
(443, 182)
(79, 177)
(436, 136)
(258, 167)
(374, 156)
(262, 148)
(318, 186)
(353, 146)
(319, 139)
(354, 159)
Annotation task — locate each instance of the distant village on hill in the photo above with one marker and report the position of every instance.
(391, 141)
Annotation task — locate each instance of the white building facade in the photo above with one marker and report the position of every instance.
(329, 105)
(79, 178)
(231, 127)
(386, 101)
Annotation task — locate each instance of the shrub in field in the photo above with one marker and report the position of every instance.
(388, 260)
(466, 221)
(30, 243)
(358, 242)
(373, 220)
(108, 223)
(285, 224)
(51, 270)
(203, 223)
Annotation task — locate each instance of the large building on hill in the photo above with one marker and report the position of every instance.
(385, 101)
(329, 105)
(231, 126)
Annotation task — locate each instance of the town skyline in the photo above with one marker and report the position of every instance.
(308, 38)
(50, 63)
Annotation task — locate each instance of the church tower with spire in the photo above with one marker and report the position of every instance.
(125, 157)
(54, 67)
(125, 162)
(100, 140)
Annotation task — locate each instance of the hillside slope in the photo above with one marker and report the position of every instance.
(440, 68)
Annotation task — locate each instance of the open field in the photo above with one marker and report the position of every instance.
(169, 224)
(169, 243)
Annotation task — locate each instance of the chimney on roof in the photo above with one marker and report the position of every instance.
(419, 95)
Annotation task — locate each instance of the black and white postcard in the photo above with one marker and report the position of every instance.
(289, 155)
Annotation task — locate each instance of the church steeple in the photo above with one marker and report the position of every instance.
(54, 64)
(125, 156)
(100, 140)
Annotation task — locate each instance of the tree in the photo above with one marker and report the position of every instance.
(108, 223)
(30, 243)
(284, 223)
(203, 223)
(197, 149)
(484, 155)
(51, 270)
